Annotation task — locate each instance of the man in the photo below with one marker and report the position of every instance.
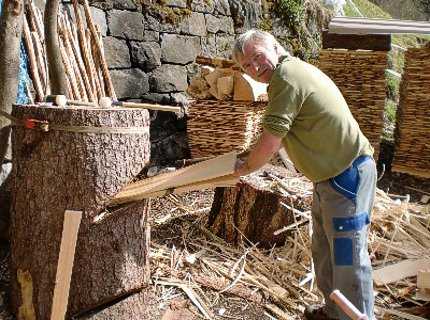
(308, 115)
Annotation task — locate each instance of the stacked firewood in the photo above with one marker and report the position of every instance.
(221, 79)
(412, 153)
(81, 49)
(217, 124)
(360, 75)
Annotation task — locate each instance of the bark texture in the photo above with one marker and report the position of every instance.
(138, 306)
(252, 210)
(59, 170)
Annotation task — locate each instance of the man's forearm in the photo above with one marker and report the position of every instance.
(264, 150)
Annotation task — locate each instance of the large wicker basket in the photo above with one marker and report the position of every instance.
(215, 127)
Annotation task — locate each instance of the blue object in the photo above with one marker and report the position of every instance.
(355, 223)
(343, 251)
(21, 97)
(347, 182)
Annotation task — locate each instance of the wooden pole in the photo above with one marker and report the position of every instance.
(72, 220)
(109, 86)
(32, 62)
(40, 61)
(83, 45)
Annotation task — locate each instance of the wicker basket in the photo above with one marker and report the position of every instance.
(215, 127)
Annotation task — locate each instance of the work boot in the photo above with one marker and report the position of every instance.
(316, 312)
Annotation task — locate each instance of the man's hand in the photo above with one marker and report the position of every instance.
(263, 151)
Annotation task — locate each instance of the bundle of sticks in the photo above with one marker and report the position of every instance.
(412, 153)
(360, 75)
(81, 47)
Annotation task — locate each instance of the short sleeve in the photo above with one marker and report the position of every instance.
(285, 102)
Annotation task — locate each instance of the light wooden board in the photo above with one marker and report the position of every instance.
(423, 279)
(72, 220)
(203, 172)
(399, 271)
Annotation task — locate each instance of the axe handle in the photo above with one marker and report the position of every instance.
(347, 306)
(147, 106)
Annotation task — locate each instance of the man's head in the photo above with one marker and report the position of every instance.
(257, 52)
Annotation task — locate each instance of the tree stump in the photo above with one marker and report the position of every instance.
(61, 169)
(253, 211)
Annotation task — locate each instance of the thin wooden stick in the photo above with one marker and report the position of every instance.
(72, 35)
(109, 86)
(72, 220)
(33, 63)
(147, 233)
(40, 60)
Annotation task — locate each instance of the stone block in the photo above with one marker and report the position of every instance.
(224, 45)
(130, 83)
(226, 24)
(116, 52)
(203, 6)
(222, 7)
(151, 36)
(179, 49)
(146, 55)
(194, 24)
(99, 17)
(209, 45)
(125, 24)
(169, 78)
(212, 23)
(176, 3)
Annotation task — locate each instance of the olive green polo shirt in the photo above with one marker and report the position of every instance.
(309, 113)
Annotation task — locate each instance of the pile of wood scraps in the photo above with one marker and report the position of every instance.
(281, 280)
(412, 135)
(216, 127)
(222, 80)
(360, 75)
(81, 48)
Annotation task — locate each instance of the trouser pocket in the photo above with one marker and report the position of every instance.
(347, 182)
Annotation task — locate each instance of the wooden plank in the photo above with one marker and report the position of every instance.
(137, 195)
(423, 279)
(213, 168)
(399, 271)
(72, 220)
(377, 42)
(355, 28)
(378, 21)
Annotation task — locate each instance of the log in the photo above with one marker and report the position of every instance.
(62, 170)
(247, 89)
(253, 211)
(138, 306)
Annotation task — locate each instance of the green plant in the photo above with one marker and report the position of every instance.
(393, 84)
(292, 12)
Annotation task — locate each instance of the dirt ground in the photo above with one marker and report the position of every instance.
(174, 304)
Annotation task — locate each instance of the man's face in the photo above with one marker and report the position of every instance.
(259, 60)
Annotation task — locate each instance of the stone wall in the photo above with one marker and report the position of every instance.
(151, 49)
(151, 46)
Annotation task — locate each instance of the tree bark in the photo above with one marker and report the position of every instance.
(57, 76)
(59, 170)
(138, 306)
(11, 21)
(253, 211)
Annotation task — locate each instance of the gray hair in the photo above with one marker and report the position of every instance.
(254, 35)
